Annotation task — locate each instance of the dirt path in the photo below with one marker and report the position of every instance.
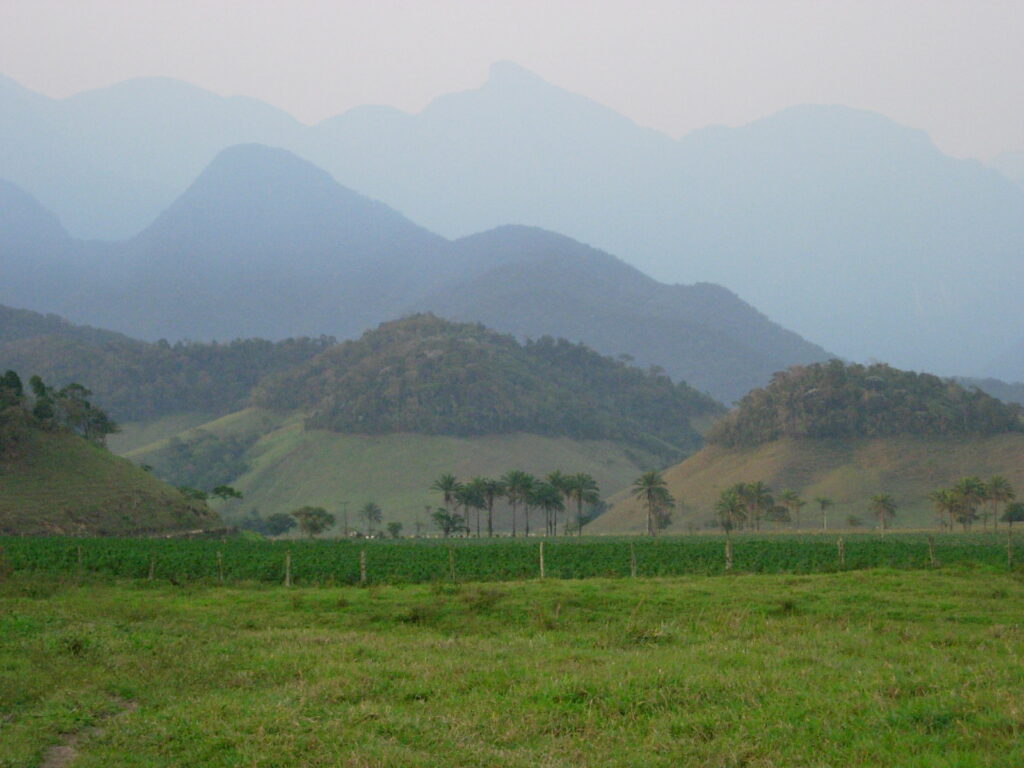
(63, 754)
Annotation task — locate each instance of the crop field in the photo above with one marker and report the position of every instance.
(879, 667)
(335, 562)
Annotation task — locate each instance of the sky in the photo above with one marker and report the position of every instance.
(954, 68)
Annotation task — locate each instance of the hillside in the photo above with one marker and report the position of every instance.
(55, 481)
(424, 374)
(847, 471)
(546, 283)
(286, 466)
(847, 432)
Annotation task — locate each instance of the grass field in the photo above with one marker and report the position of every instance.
(869, 668)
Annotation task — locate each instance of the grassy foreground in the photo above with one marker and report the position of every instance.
(854, 669)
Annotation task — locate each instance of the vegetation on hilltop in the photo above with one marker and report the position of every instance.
(136, 380)
(837, 400)
(423, 374)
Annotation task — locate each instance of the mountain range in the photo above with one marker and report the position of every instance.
(264, 244)
(837, 223)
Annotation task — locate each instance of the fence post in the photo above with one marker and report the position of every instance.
(1009, 547)
(79, 561)
(728, 554)
(451, 563)
(288, 568)
(220, 567)
(152, 566)
(842, 552)
(931, 550)
(362, 566)
(542, 559)
(632, 560)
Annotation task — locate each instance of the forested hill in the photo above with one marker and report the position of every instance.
(835, 400)
(137, 380)
(424, 374)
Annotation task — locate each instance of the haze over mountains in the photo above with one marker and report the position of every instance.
(842, 225)
(265, 244)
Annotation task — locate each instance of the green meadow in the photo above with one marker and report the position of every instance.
(860, 668)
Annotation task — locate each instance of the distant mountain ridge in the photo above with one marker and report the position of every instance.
(799, 213)
(266, 245)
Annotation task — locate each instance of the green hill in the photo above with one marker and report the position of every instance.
(288, 465)
(846, 432)
(56, 476)
(427, 375)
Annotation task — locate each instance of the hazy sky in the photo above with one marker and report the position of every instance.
(952, 67)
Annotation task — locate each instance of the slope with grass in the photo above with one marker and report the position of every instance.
(847, 471)
(290, 466)
(847, 432)
(62, 484)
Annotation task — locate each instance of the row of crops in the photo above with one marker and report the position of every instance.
(413, 561)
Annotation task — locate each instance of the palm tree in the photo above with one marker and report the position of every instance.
(730, 508)
(582, 489)
(471, 496)
(998, 491)
(968, 493)
(652, 490)
(883, 506)
(758, 498)
(492, 489)
(448, 486)
(371, 513)
(1014, 513)
(824, 502)
(547, 497)
(516, 483)
(558, 480)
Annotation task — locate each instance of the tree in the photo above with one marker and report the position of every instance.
(652, 491)
(757, 497)
(225, 492)
(778, 514)
(548, 498)
(516, 484)
(492, 489)
(968, 494)
(883, 507)
(583, 490)
(448, 522)
(278, 524)
(394, 529)
(730, 508)
(471, 496)
(448, 486)
(998, 491)
(371, 513)
(824, 502)
(1014, 513)
(313, 520)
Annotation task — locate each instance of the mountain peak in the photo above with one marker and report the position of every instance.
(508, 73)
